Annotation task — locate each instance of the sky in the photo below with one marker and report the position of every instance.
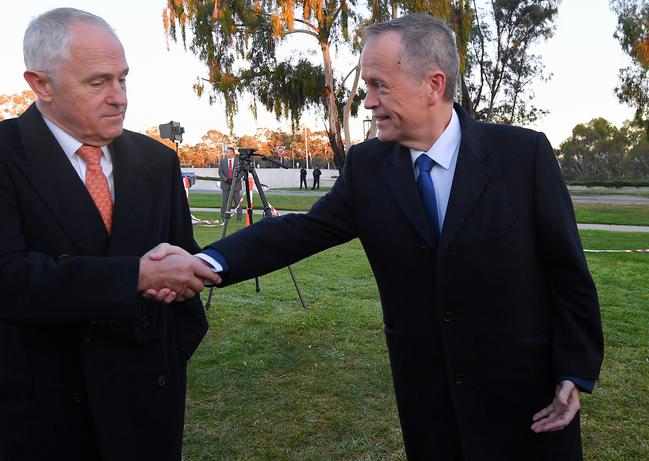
(583, 57)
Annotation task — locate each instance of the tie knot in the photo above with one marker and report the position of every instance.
(424, 163)
(90, 154)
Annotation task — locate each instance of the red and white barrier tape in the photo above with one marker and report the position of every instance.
(642, 250)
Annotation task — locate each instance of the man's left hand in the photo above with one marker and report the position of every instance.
(561, 411)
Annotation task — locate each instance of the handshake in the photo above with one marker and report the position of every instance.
(168, 273)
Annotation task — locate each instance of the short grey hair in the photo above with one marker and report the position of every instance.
(47, 38)
(427, 43)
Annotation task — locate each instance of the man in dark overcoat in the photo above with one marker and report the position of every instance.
(491, 317)
(90, 369)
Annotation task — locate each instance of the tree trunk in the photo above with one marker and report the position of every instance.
(335, 138)
(348, 107)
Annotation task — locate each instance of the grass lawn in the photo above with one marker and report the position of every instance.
(586, 213)
(636, 215)
(274, 381)
(293, 202)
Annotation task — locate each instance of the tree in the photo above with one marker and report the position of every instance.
(633, 34)
(238, 41)
(12, 105)
(501, 66)
(595, 150)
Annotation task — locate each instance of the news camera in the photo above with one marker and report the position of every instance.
(172, 131)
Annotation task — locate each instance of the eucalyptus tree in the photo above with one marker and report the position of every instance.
(501, 64)
(240, 40)
(633, 35)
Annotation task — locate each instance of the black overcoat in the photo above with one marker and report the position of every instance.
(480, 327)
(85, 361)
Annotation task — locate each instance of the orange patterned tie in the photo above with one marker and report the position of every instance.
(97, 184)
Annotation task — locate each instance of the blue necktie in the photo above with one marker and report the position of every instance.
(427, 191)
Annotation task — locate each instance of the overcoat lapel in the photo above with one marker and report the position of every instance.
(470, 177)
(133, 197)
(54, 179)
(400, 179)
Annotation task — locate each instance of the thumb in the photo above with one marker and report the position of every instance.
(160, 252)
(564, 392)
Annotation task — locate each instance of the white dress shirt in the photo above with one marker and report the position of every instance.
(444, 154)
(70, 147)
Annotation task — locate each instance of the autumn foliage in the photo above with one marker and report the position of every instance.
(279, 145)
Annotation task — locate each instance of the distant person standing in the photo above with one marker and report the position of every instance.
(303, 178)
(227, 171)
(316, 178)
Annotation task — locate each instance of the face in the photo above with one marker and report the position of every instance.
(399, 102)
(230, 152)
(87, 94)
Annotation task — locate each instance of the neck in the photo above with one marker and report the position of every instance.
(438, 121)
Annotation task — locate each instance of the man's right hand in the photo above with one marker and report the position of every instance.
(168, 273)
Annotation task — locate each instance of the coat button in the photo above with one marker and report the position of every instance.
(76, 397)
(458, 378)
(447, 316)
(144, 321)
(87, 339)
(162, 380)
(426, 251)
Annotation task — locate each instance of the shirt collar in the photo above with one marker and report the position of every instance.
(68, 143)
(446, 146)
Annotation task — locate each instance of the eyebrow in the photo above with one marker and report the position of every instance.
(107, 75)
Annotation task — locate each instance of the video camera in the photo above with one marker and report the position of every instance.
(172, 130)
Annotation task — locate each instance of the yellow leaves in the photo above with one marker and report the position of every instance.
(276, 26)
(642, 51)
(12, 105)
(313, 8)
(216, 12)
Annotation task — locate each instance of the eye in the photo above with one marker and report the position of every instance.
(96, 83)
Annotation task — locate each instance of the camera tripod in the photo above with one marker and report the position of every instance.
(243, 170)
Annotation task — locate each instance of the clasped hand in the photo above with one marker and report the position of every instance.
(168, 273)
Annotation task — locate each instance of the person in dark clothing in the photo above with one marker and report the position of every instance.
(303, 178)
(316, 178)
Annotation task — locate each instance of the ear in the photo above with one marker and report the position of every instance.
(40, 84)
(436, 85)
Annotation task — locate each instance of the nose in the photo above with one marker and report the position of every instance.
(371, 101)
(117, 96)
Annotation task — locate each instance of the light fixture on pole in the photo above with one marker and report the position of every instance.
(367, 126)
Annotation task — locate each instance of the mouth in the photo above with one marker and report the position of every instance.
(381, 119)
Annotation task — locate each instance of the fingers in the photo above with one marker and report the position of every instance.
(560, 412)
(178, 273)
(565, 389)
(205, 271)
(163, 250)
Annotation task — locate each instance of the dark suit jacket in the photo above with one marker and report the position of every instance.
(82, 355)
(480, 327)
(223, 174)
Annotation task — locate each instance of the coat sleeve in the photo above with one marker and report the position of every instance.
(577, 342)
(273, 243)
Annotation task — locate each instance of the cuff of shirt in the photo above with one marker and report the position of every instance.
(214, 259)
(584, 385)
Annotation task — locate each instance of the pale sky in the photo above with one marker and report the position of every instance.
(583, 57)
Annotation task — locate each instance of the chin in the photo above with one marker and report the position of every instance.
(385, 136)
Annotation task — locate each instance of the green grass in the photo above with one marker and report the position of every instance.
(637, 215)
(609, 191)
(293, 202)
(274, 381)
(586, 213)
